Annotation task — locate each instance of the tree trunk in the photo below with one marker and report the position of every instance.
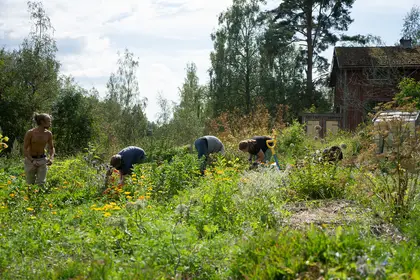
(309, 62)
(247, 83)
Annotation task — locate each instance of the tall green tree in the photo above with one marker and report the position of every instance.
(314, 24)
(124, 107)
(29, 76)
(281, 73)
(235, 59)
(73, 115)
(189, 116)
(411, 26)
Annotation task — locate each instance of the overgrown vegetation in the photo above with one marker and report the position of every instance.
(168, 221)
(352, 219)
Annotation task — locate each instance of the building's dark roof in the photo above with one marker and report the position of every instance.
(395, 56)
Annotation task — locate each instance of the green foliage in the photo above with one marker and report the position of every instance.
(170, 177)
(310, 255)
(292, 139)
(235, 59)
(320, 181)
(409, 92)
(411, 26)
(314, 24)
(28, 76)
(73, 119)
(168, 221)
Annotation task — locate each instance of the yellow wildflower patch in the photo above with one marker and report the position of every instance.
(30, 209)
(106, 207)
(107, 214)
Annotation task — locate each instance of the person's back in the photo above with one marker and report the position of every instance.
(214, 144)
(130, 156)
(261, 142)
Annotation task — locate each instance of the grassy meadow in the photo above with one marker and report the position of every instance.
(356, 219)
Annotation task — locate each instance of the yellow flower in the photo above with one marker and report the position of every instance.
(112, 203)
(129, 197)
(147, 196)
(107, 214)
(149, 206)
(6, 139)
(53, 212)
(150, 189)
(12, 195)
(9, 182)
(148, 193)
(141, 197)
(30, 209)
(117, 208)
(127, 193)
(220, 172)
(142, 176)
(134, 175)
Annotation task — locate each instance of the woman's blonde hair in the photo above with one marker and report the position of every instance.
(38, 118)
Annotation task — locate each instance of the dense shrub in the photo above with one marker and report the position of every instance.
(320, 181)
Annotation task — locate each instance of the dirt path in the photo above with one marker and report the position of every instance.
(329, 214)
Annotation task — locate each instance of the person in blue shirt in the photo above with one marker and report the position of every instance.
(125, 159)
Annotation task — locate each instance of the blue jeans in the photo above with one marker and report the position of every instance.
(202, 148)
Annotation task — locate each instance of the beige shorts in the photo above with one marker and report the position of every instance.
(36, 171)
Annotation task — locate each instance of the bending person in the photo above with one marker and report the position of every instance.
(207, 145)
(256, 146)
(125, 159)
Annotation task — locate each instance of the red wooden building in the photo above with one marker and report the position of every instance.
(362, 77)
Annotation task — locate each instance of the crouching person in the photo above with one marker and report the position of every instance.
(332, 154)
(256, 147)
(125, 159)
(207, 145)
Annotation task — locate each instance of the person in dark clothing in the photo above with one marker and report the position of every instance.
(332, 154)
(125, 159)
(256, 146)
(207, 145)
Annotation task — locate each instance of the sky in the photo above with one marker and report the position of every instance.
(164, 35)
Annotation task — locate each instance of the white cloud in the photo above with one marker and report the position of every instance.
(164, 34)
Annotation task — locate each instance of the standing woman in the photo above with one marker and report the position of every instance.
(256, 146)
(35, 141)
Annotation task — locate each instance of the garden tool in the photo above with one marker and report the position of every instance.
(271, 144)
